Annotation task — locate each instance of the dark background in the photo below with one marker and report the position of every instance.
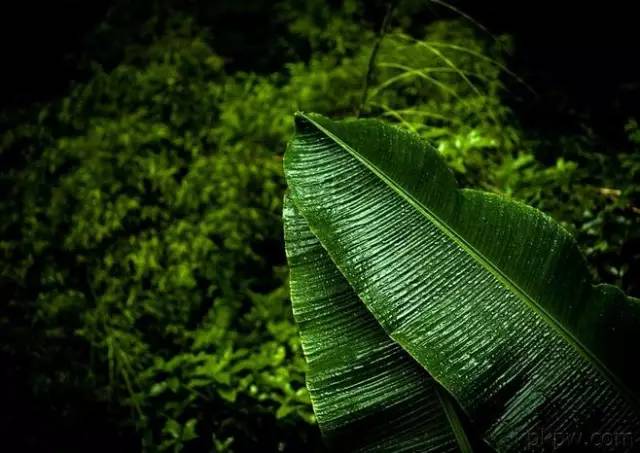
(578, 56)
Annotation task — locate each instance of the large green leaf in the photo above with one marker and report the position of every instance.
(490, 296)
(367, 392)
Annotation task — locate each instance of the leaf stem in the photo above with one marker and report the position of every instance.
(372, 58)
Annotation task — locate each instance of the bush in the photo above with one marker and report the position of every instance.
(147, 230)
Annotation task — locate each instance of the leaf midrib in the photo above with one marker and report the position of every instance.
(484, 262)
(453, 419)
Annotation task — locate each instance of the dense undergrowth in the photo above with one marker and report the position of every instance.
(145, 286)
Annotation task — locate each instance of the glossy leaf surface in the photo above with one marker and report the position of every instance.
(490, 296)
(368, 393)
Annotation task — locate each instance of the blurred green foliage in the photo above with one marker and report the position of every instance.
(141, 250)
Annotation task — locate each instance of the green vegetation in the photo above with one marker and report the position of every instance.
(141, 253)
(413, 295)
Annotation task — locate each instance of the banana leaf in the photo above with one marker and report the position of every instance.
(490, 297)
